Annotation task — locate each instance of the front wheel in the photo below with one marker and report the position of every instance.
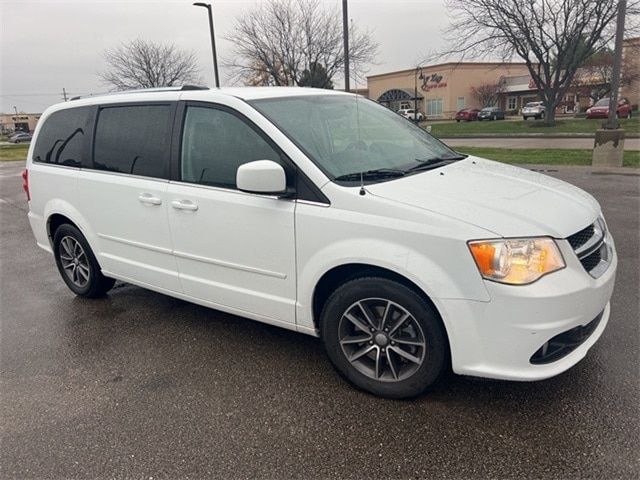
(383, 337)
(77, 264)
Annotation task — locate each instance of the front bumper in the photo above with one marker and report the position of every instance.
(497, 339)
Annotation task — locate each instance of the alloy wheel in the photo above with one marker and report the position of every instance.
(382, 339)
(74, 261)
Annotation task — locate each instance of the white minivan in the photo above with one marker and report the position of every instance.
(328, 214)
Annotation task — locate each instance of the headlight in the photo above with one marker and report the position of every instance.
(516, 261)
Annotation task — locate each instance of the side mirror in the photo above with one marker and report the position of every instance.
(261, 176)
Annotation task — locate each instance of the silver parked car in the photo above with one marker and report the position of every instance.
(533, 109)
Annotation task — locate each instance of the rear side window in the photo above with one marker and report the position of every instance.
(62, 139)
(133, 139)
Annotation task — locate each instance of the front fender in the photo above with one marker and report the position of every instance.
(436, 281)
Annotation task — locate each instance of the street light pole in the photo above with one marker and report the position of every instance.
(415, 95)
(213, 40)
(612, 122)
(345, 35)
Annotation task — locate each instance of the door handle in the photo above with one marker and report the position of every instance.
(149, 199)
(184, 205)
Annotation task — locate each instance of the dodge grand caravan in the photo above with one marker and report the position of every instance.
(328, 214)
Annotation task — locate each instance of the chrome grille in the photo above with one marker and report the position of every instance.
(579, 239)
(590, 245)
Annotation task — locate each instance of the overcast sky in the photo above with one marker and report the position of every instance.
(46, 45)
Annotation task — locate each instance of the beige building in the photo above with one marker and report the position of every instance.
(631, 60)
(12, 122)
(442, 89)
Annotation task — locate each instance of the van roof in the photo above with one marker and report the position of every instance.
(203, 94)
(245, 93)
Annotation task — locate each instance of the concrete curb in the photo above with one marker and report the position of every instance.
(629, 171)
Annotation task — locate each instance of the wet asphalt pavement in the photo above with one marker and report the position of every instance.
(141, 385)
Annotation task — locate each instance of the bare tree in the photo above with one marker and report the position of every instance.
(553, 37)
(275, 43)
(145, 64)
(594, 77)
(487, 94)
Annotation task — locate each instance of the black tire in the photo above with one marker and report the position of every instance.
(457, 121)
(96, 284)
(524, 118)
(434, 355)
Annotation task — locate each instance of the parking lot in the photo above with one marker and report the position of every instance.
(142, 385)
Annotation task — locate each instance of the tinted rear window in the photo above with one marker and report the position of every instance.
(62, 138)
(134, 140)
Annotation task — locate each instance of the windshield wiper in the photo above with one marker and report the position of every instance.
(434, 162)
(372, 174)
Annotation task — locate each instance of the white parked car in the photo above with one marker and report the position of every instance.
(533, 109)
(410, 114)
(325, 213)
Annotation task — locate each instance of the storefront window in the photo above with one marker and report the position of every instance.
(434, 106)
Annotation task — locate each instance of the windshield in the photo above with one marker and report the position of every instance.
(346, 136)
(533, 104)
(603, 102)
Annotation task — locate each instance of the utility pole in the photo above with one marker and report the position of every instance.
(608, 148)
(415, 95)
(612, 121)
(213, 40)
(64, 94)
(345, 35)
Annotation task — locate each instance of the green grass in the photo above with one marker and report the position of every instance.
(507, 127)
(9, 153)
(545, 156)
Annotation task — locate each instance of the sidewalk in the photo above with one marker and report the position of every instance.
(510, 142)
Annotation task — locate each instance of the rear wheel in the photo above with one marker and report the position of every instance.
(77, 264)
(383, 337)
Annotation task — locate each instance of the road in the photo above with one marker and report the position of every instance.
(561, 143)
(140, 385)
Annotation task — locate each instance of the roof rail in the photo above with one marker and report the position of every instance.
(150, 90)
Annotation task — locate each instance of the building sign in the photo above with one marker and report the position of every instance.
(429, 82)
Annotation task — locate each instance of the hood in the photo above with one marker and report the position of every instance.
(509, 201)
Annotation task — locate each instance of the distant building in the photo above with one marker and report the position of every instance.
(22, 122)
(442, 89)
(631, 58)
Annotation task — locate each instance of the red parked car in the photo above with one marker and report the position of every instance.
(467, 114)
(601, 109)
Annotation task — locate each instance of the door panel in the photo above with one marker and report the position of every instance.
(129, 217)
(235, 249)
(123, 193)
